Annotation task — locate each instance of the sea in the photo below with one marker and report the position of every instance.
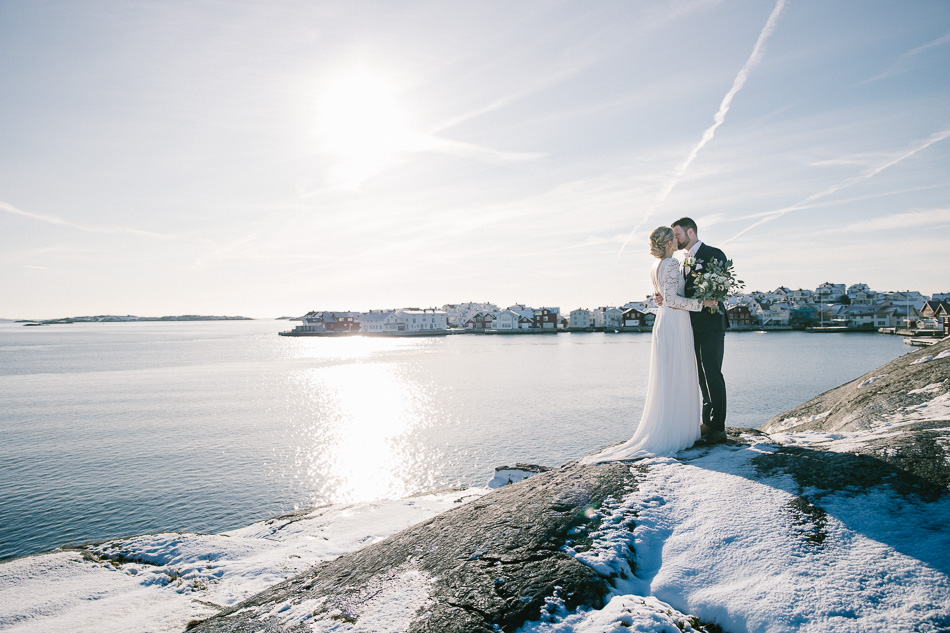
(118, 429)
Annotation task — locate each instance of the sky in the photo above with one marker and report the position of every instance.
(264, 159)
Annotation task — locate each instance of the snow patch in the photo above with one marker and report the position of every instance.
(389, 611)
(160, 582)
(291, 613)
(611, 542)
(934, 410)
(623, 613)
(869, 381)
(931, 388)
(788, 423)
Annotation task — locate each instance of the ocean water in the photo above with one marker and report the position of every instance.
(112, 429)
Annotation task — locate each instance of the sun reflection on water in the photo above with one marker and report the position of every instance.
(362, 439)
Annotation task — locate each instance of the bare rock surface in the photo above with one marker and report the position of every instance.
(490, 562)
(875, 398)
(903, 411)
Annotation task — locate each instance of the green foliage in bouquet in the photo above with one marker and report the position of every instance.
(715, 280)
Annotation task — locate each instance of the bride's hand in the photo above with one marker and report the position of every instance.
(710, 303)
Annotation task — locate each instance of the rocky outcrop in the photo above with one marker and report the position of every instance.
(491, 562)
(496, 562)
(875, 398)
(902, 407)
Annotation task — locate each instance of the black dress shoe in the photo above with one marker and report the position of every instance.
(716, 437)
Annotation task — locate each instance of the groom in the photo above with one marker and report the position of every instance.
(709, 333)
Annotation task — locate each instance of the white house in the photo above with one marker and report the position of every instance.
(860, 294)
(802, 296)
(481, 320)
(509, 320)
(829, 292)
(458, 313)
(311, 322)
(892, 316)
(856, 316)
(422, 320)
(608, 317)
(781, 294)
(766, 313)
(526, 314)
(581, 318)
(642, 306)
(781, 313)
(379, 321)
(905, 297)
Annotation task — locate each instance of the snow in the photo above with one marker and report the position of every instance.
(389, 611)
(933, 410)
(869, 381)
(788, 423)
(713, 537)
(623, 613)
(931, 388)
(704, 534)
(176, 578)
(926, 359)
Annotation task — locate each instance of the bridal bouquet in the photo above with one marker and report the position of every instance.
(716, 280)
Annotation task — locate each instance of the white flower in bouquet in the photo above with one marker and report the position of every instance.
(716, 282)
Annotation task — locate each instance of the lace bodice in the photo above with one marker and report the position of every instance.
(668, 281)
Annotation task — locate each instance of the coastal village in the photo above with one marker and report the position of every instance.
(829, 307)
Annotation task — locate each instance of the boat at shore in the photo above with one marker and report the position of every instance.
(921, 342)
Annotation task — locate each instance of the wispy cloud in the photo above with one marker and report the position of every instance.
(536, 85)
(718, 119)
(940, 41)
(104, 230)
(895, 66)
(844, 184)
(902, 221)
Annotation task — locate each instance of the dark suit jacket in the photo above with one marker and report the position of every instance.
(704, 321)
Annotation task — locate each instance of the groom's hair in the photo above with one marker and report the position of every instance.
(686, 223)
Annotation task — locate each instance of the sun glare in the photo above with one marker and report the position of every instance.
(361, 442)
(362, 122)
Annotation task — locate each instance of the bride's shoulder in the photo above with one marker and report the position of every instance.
(668, 263)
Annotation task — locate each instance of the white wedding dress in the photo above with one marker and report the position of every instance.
(673, 408)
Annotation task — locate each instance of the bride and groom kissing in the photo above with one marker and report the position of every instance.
(686, 392)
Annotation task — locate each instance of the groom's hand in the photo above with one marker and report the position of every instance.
(658, 299)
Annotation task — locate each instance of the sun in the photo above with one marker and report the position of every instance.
(362, 123)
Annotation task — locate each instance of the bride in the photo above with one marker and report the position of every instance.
(673, 408)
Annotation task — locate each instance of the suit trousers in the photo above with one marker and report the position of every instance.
(709, 350)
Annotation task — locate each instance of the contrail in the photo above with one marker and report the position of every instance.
(107, 230)
(718, 120)
(844, 184)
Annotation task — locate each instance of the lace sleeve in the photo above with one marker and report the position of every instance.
(669, 280)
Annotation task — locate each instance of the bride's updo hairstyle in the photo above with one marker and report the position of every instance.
(659, 238)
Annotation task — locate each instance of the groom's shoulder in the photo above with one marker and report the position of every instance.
(711, 252)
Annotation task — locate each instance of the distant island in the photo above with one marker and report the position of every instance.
(128, 318)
